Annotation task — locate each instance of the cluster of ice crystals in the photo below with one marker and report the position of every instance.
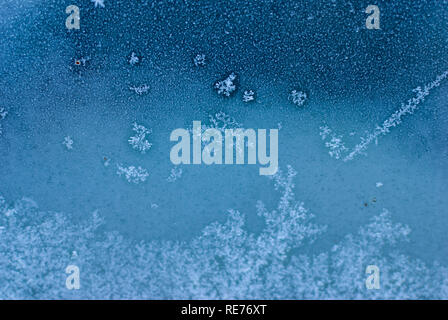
(133, 174)
(224, 262)
(175, 174)
(3, 113)
(140, 89)
(68, 142)
(227, 86)
(248, 96)
(139, 141)
(199, 60)
(298, 97)
(336, 145)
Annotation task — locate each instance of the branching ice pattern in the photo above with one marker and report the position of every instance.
(224, 262)
(337, 147)
(139, 141)
(227, 86)
(298, 97)
(68, 143)
(199, 60)
(175, 174)
(133, 174)
(140, 90)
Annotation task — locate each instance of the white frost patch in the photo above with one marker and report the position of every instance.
(139, 141)
(3, 113)
(134, 59)
(140, 89)
(176, 173)
(226, 87)
(68, 143)
(133, 174)
(336, 146)
(199, 60)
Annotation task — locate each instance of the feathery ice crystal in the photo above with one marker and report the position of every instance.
(134, 59)
(396, 118)
(298, 97)
(133, 174)
(224, 262)
(139, 141)
(227, 86)
(220, 121)
(336, 146)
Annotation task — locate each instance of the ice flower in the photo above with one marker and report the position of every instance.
(227, 86)
(199, 60)
(396, 118)
(68, 143)
(248, 96)
(98, 3)
(336, 145)
(225, 261)
(139, 141)
(298, 97)
(3, 113)
(175, 174)
(134, 59)
(133, 174)
(140, 89)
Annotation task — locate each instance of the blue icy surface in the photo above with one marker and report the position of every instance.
(172, 236)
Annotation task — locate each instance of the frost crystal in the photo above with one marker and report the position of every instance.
(396, 118)
(98, 3)
(140, 89)
(139, 141)
(176, 173)
(298, 97)
(220, 121)
(199, 60)
(133, 174)
(68, 143)
(336, 146)
(224, 262)
(226, 87)
(134, 59)
(3, 114)
(248, 96)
